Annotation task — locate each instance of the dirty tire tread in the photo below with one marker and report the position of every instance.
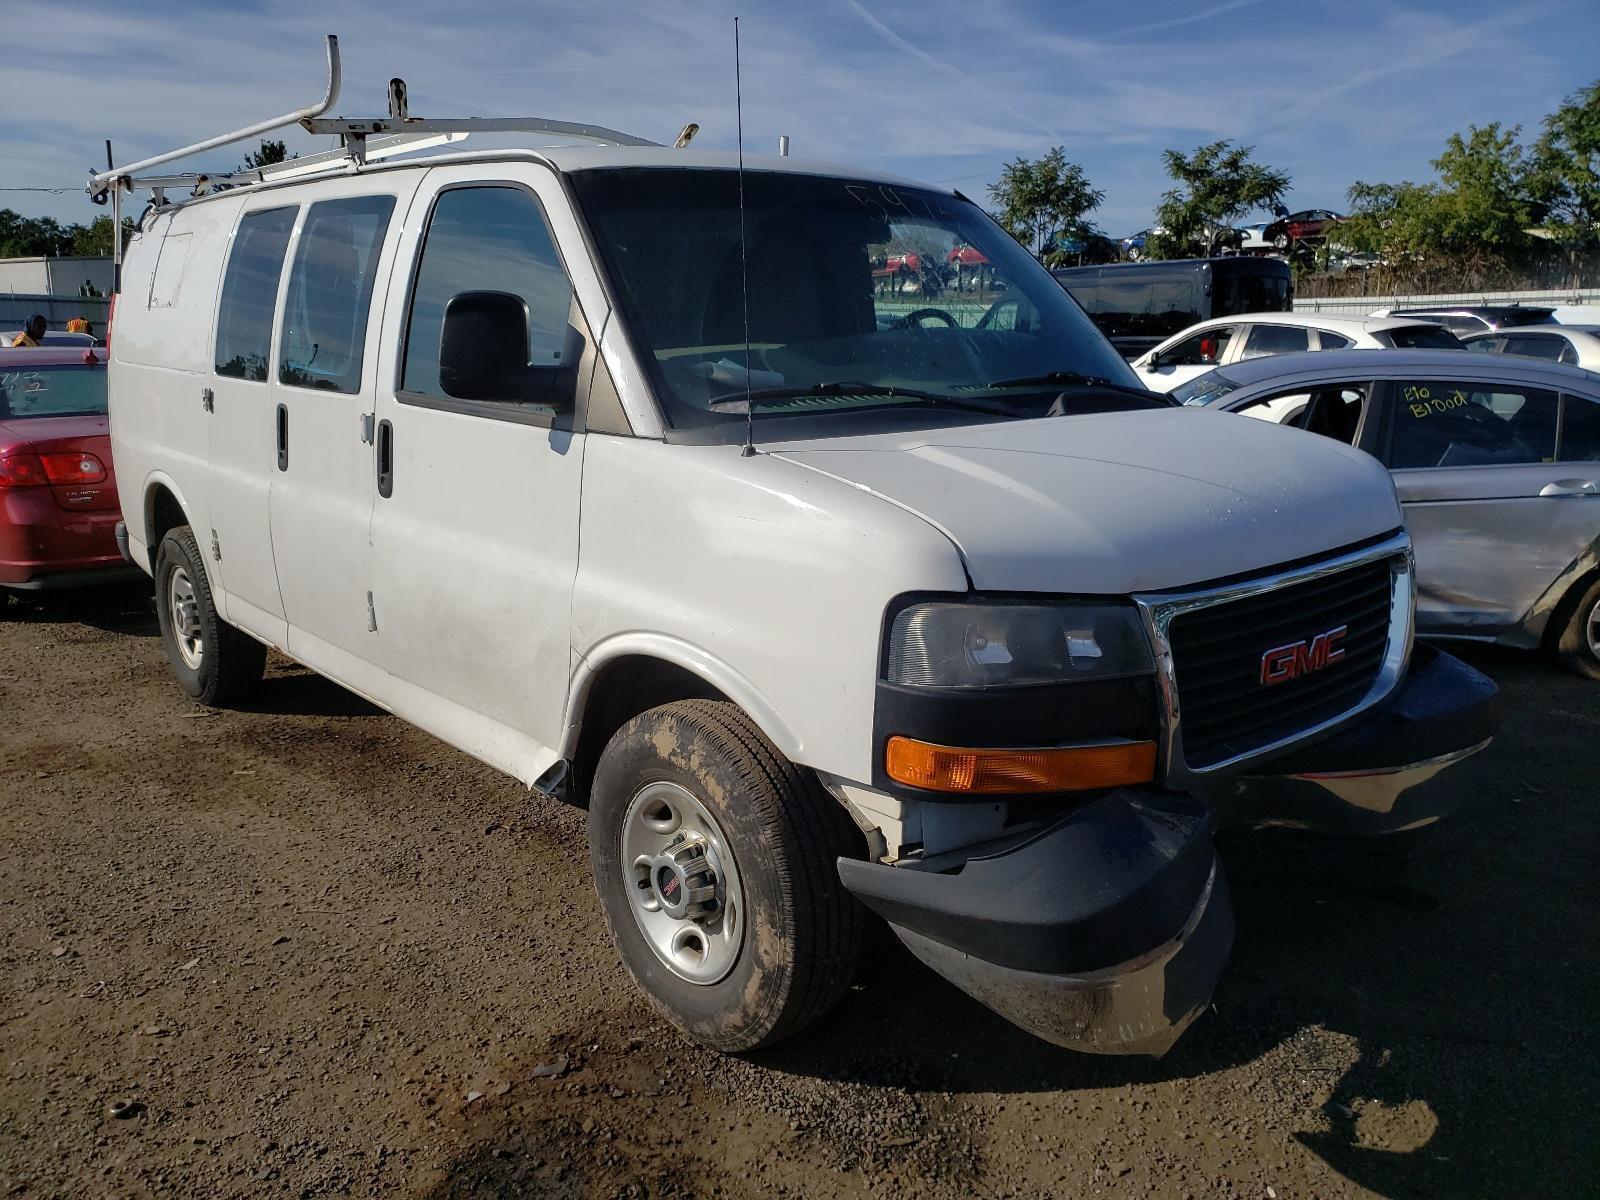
(1572, 646)
(234, 661)
(832, 914)
(825, 923)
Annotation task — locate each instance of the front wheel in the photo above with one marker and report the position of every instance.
(1579, 644)
(714, 860)
(214, 662)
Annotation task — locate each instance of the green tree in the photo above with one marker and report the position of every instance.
(1484, 193)
(31, 237)
(266, 155)
(1045, 202)
(94, 240)
(1564, 172)
(1470, 225)
(1217, 185)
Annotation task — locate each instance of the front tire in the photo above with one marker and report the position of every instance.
(214, 662)
(714, 860)
(1579, 644)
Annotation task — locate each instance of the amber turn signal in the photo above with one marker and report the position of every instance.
(982, 771)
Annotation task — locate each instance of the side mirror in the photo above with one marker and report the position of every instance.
(483, 354)
(1155, 364)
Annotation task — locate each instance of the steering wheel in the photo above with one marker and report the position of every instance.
(915, 317)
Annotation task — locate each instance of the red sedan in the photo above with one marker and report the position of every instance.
(58, 497)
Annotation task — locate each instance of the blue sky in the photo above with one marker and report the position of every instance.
(936, 89)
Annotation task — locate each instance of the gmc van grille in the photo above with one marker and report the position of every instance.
(1217, 654)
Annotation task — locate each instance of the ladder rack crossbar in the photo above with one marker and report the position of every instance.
(361, 142)
(100, 181)
(368, 126)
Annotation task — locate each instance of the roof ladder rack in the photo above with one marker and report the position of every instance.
(362, 140)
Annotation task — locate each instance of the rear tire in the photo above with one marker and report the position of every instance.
(214, 662)
(779, 942)
(1578, 647)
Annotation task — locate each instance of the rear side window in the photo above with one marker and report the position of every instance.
(249, 292)
(1424, 337)
(1439, 423)
(330, 292)
(486, 239)
(1275, 339)
(1328, 340)
(1580, 429)
(1533, 345)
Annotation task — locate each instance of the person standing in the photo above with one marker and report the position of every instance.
(32, 333)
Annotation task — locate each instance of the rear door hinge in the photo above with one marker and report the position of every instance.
(208, 400)
(216, 547)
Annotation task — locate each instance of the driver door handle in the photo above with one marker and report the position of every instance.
(1576, 488)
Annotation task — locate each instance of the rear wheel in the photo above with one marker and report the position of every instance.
(1579, 644)
(214, 662)
(714, 860)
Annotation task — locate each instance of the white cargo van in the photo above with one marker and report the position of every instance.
(612, 467)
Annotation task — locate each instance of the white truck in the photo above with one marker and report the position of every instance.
(607, 465)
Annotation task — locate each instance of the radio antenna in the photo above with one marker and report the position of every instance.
(744, 262)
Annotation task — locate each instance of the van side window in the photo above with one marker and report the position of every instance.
(330, 291)
(486, 239)
(250, 292)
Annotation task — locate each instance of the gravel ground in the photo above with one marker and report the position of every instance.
(314, 952)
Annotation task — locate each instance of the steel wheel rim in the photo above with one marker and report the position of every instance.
(682, 883)
(184, 611)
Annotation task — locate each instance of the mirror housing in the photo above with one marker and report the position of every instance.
(483, 354)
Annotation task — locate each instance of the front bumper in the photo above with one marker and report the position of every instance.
(1104, 933)
(1107, 931)
(1399, 768)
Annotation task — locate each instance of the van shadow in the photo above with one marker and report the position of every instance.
(292, 690)
(1461, 992)
(127, 609)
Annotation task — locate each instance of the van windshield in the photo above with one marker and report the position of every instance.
(848, 283)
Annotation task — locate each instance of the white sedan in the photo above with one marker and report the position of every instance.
(1224, 340)
(1575, 345)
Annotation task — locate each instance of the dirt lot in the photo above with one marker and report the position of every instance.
(319, 953)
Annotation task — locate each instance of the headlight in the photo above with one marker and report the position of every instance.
(953, 645)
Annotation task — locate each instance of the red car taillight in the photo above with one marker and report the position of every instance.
(25, 468)
(22, 468)
(73, 467)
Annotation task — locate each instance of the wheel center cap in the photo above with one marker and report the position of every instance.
(670, 890)
(684, 882)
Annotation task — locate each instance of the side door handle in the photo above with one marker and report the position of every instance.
(385, 458)
(1571, 487)
(283, 437)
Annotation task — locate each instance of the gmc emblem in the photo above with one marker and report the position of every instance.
(1283, 663)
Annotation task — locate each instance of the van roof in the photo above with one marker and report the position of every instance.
(568, 159)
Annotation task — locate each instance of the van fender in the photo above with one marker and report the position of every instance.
(708, 667)
(139, 538)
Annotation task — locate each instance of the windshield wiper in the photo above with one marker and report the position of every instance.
(852, 387)
(1075, 379)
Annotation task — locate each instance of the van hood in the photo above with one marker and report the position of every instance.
(1110, 504)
